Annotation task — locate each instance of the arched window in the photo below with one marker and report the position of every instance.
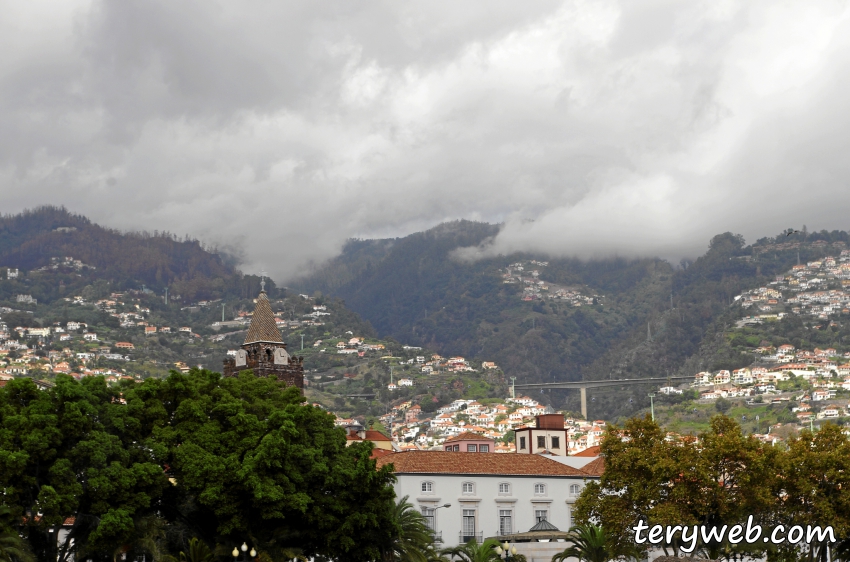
(504, 489)
(539, 489)
(468, 488)
(427, 487)
(575, 489)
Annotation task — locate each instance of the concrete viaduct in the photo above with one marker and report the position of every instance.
(584, 385)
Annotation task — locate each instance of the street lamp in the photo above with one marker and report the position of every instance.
(244, 549)
(438, 536)
(506, 549)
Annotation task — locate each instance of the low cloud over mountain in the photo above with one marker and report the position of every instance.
(588, 128)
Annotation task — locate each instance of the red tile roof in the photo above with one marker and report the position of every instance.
(372, 435)
(377, 453)
(589, 452)
(434, 462)
(595, 467)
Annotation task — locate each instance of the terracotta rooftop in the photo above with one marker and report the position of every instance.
(467, 436)
(595, 467)
(435, 462)
(589, 452)
(263, 326)
(372, 435)
(377, 453)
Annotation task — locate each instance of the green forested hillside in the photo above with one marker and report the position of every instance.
(416, 292)
(30, 240)
(649, 317)
(630, 318)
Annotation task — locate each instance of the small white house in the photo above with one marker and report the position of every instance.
(670, 390)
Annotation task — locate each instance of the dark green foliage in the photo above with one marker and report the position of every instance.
(592, 543)
(413, 289)
(30, 239)
(412, 540)
(197, 551)
(141, 465)
(722, 405)
(722, 477)
(12, 547)
(69, 452)
(474, 552)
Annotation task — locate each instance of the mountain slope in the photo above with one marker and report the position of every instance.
(416, 292)
(32, 239)
(649, 318)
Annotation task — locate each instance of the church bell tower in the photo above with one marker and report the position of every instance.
(264, 351)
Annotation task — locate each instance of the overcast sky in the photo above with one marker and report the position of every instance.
(280, 129)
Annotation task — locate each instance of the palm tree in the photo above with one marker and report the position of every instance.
(414, 541)
(12, 547)
(150, 537)
(591, 543)
(198, 552)
(474, 552)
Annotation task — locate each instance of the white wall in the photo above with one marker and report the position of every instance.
(486, 501)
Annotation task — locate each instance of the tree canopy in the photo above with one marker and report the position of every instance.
(718, 478)
(148, 466)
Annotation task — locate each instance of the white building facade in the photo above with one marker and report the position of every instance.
(489, 494)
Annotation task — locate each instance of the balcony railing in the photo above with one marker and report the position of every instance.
(464, 538)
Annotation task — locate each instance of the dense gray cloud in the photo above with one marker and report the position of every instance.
(281, 129)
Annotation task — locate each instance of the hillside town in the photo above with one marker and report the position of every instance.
(497, 421)
(528, 274)
(817, 289)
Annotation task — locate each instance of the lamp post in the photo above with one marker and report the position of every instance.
(434, 530)
(244, 549)
(507, 550)
(652, 405)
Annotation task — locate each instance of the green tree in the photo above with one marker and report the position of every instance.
(639, 465)
(817, 481)
(591, 543)
(412, 540)
(715, 479)
(12, 547)
(220, 459)
(736, 476)
(197, 551)
(242, 446)
(474, 552)
(71, 453)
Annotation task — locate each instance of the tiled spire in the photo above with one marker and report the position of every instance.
(263, 327)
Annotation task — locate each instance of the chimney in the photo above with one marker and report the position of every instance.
(550, 421)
